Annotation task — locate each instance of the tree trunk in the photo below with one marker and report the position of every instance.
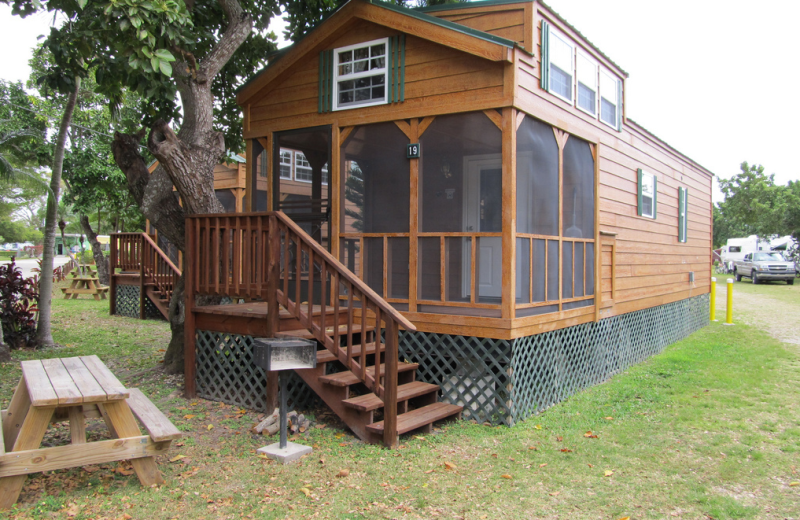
(44, 333)
(5, 352)
(186, 160)
(97, 251)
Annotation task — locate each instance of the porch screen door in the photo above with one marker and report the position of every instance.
(483, 213)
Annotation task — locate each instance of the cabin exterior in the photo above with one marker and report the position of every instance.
(473, 166)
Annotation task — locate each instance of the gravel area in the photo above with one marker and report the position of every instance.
(780, 319)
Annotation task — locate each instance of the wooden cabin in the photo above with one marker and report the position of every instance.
(472, 167)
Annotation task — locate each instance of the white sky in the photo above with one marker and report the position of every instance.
(712, 78)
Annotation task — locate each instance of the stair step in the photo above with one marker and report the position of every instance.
(368, 402)
(326, 356)
(348, 378)
(419, 417)
(306, 334)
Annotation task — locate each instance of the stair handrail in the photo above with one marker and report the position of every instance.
(283, 231)
(149, 259)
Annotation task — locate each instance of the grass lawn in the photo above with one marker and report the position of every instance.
(708, 429)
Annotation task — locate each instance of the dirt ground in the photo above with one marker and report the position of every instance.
(778, 317)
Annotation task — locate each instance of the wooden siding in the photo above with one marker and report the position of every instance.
(506, 21)
(438, 80)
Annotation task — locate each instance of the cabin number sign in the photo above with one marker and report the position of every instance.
(412, 151)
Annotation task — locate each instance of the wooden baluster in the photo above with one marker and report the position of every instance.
(286, 266)
(297, 276)
(273, 310)
(215, 248)
(323, 302)
(237, 255)
(391, 359)
(266, 259)
(350, 321)
(248, 264)
(376, 341)
(310, 301)
(335, 297)
(363, 336)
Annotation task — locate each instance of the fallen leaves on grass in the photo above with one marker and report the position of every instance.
(305, 491)
(176, 458)
(608, 473)
(794, 484)
(343, 473)
(449, 465)
(507, 476)
(566, 450)
(590, 435)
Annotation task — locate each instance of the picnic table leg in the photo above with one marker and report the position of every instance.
(15, 415)
(125, 425)
(107, 420)
(77, 425)
(30, 438)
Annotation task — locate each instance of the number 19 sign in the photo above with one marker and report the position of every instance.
(412, 151)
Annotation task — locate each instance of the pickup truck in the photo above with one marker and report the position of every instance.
(764, 266)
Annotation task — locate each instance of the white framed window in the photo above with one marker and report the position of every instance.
(648, 194)
(562, 53)
(360, 74)
(683, 214)
(285, 164)
(609, 99)
(303, 171)
(586, 98)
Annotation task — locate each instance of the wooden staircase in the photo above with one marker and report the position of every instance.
(300, 290)
(142, 263)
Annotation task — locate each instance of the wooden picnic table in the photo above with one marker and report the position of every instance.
(54, 390)
(84, 280)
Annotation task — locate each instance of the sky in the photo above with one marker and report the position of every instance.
(713, 79)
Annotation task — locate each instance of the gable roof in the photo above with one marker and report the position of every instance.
(402, 19)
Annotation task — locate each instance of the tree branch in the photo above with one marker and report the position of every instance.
(240, 25)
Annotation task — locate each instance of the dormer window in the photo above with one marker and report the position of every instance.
(587, 84)
(360, 74)
(609, 99)
(561, 53)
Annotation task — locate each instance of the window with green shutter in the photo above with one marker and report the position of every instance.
(648, 194)
(683, 212)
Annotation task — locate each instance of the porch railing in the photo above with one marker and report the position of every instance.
(267, 256)
(138, 252)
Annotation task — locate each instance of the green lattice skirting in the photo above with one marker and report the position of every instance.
(127, 303)
(226, 372)
(507, 381)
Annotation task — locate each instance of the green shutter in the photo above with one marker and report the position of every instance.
(655, 197)
(396, 60)
(544, 72)
(641, 176)
(325, 103)
(681, 215)
(619, 106)
(402, 67)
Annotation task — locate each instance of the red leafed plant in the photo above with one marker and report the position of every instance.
(19, 299)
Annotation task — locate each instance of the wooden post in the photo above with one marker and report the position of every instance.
(141, 277)
(189, 361)
(273, 310)
(112, 281)
(509, 208)
(413, 224)
(390, 384)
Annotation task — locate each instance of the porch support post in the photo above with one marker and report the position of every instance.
(509, 212)
(390, 385)
(190, 286)
(413, 224)
(334, 190)
(273, 310)
(249, 183)
(112, 280)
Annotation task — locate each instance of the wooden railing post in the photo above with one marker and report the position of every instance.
(273, 310)
(390, 383)
(141, 277)
(189, 333)
(112, 281)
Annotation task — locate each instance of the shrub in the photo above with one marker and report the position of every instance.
(19, 298)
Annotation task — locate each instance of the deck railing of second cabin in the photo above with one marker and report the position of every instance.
(137, 252)
(267, 256)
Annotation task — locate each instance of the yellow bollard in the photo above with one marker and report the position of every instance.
(713, 299)
(729, 310)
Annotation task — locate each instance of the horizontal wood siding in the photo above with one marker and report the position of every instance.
(438, 80)
(509, 24)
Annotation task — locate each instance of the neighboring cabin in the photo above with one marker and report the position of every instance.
(474, 165)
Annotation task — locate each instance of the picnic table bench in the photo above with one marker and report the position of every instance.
(84, 281)
(53, 390)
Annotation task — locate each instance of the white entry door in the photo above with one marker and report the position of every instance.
(483, 213)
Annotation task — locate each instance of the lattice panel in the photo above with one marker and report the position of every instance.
(226, 372)
(127, 301)
(472, 372)
(151, 312)
(504, 382)
(550, 367)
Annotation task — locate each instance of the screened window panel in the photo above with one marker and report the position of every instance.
(375, 178)
(227, 199)
(536, 311)
(540, 271)
(578, 203)
(566, 270)
(397, 269)
(578, 269)
(589, 269)
(523, 272)
(428, 264)
(259, 177)
(350, 254)
(459, 185)
(373, 264)
(552, 270)
(537, 178)
(577, 305)
(457, 253)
